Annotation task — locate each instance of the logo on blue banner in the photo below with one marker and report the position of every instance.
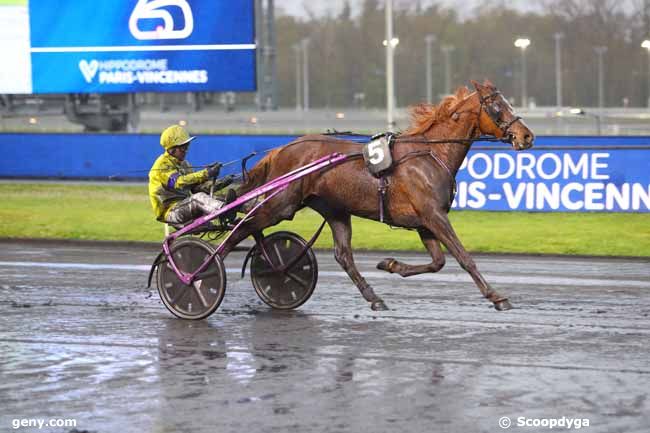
(155, 10)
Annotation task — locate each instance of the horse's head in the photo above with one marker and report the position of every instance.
(498, 118)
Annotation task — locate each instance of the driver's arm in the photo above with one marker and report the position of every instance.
(173, 179)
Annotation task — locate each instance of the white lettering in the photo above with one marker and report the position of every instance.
(133, 64)
(592, 195)
(621, 197)
(574, 196)
(530, 166)
(514, 199)
(640, 193)
(579, 168)
(555, 160)
(126, 77)
(546, 195)
(530, 195)
(525, 166)
(503, 158)
(477, 199)
(471, 168)
(566, 196)
(595, 165)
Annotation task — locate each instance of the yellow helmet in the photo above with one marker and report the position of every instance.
(174, 136)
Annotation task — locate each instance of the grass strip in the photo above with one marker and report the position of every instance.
(122, 212)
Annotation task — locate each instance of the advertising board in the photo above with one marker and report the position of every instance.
(108, 46)
(559, 174)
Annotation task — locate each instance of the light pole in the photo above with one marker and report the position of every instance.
(429, 39)
(296, 49)
(447, 50)
(259, 52)
(305, 73)
(270, 52)
(601, 50)
(390, 43)
(558, 69)
(523, 43)
(646, 44)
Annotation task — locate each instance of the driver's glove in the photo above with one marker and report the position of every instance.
(213, 170)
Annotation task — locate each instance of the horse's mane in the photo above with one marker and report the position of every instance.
(424, 116)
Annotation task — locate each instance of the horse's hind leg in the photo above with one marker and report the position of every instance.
(342, 234)
(439, 224)
(433, 247)
(341, 227)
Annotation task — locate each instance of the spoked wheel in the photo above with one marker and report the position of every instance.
(203, 296)
(293, 287)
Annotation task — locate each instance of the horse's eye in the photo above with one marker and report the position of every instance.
(496, 108)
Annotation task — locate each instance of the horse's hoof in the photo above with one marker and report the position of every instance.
(503, 305)
(386, 264)
(378, 306)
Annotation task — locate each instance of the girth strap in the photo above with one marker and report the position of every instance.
(383, 187)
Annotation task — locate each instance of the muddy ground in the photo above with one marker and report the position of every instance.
(82, 338)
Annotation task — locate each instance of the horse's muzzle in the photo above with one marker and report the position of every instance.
(526, 142)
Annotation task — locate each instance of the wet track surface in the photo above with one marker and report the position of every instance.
(82, 338)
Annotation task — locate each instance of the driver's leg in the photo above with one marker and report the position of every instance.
(197, 205)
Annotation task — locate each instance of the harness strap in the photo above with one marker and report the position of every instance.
(383, 187)
(452, 194)
(436, 158)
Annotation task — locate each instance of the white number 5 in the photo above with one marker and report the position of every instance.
(375, 152)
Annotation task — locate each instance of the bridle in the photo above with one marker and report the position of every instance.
(493, 110)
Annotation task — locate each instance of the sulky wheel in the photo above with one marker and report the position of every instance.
(203, 296)
(291, 288)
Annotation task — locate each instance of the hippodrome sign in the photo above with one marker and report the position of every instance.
(105, 46)
(551, 177)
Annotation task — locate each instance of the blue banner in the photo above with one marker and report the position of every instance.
(106, 46)
(559, 174)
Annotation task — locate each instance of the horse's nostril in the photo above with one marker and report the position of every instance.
(528, 138)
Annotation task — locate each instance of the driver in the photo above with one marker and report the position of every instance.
(177, 193)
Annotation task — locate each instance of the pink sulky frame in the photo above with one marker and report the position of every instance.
(273, 187)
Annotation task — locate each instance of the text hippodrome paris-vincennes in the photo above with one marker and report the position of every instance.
(548, 181)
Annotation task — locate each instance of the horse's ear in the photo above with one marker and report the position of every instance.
(476, 85)
(488, 83)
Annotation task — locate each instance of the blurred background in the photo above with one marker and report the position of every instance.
(570, 67)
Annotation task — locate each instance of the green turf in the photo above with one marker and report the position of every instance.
(119, 212)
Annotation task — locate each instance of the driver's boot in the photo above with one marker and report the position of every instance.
(231, 215)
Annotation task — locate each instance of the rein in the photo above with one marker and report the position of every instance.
(503, 139)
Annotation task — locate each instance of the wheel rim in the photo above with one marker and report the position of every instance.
(204, 295)
(292, 288)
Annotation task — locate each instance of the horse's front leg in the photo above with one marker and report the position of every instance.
(432, 245)
(439, 224)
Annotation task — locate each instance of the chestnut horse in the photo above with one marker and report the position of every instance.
(420, 187)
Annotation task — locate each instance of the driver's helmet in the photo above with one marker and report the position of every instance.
(174, 136)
